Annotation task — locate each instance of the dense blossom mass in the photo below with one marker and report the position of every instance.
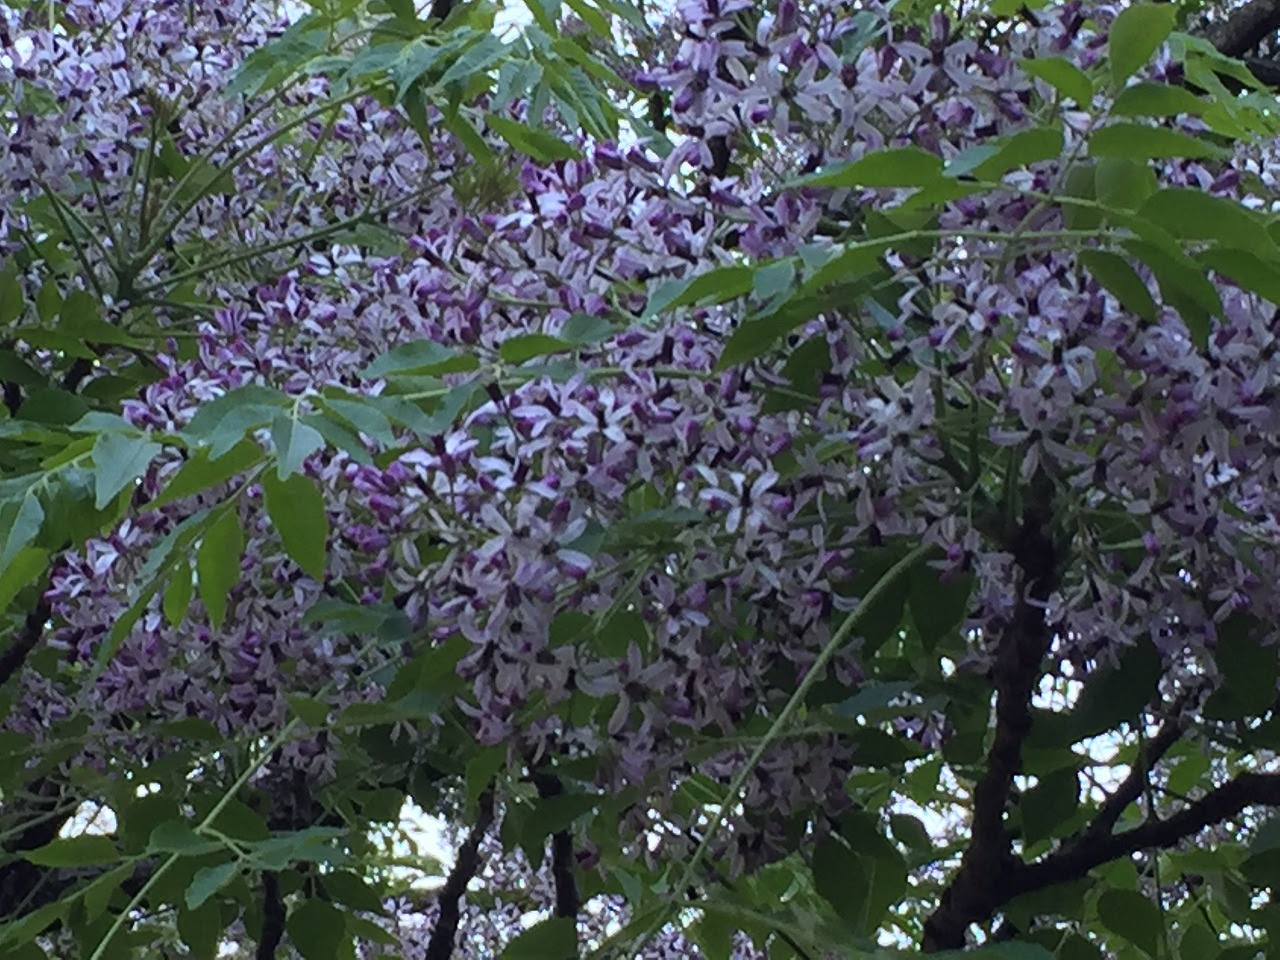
(629, 534)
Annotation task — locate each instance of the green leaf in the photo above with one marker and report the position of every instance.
(773, 279)
(1157, 100)
(714, 286)
(757, 336)
(840, 878)
(364, 417)
(584, 328)
(208, 881)
(420, 357)
(529, 345)
(81, 315)
(34, 923)
(97, 895)
(1137, 141)
(312, 845)
(554, 939)
(338, 437)
(352, 890)
(894, 167)
(28, 564)
(221, 423)
(177, 836)
(1048, 804)
(118, 461)
(477, 58)
(52, 406)
(11, 304)
(1064, 76)
(938, 608)
(553, 814)
(1198, 942)
(1243, 269)
(1196, 215)
(1183, 285)
(1132, 916)
(14, 369)
(309, 710)
(297, 510)
(85, 850)
(21, 523)
(481, 769)
(414, 61)
(1113, 272)
(1122, 183)
(460, 127)
(202, 471)
(218, 564)
(48, 301)
(1021, 150)
(1250, 670)
(201, 930)
(911, 832)
(883, 617)
(541, 145)
(1113, 695)
(177, 596)
(294, 442)
(1136, 34)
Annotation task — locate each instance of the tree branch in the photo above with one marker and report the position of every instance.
(272, 918)
(15, 655)
(1217, 806)
(983, 881)
(464, 870)
(1245, 28)
(567, 900)
(1131, 788)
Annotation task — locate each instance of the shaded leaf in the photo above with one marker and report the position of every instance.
(294, 442)
(1197, 215)
(1156, 100)
(202, 471)
(1136, 141)
(208, 881)
(118, 461)
(1064, 76)
(1048, 804)
(298, 513)
(420, 357)
(541, 145)
(714, 286)
(554, 939)
(20, 523)
(1136, 34)
(894, 167)
(221, 423)
(1121, 280)
(1132, 916)
(85, 850)
(177, 595)
(218, 564)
